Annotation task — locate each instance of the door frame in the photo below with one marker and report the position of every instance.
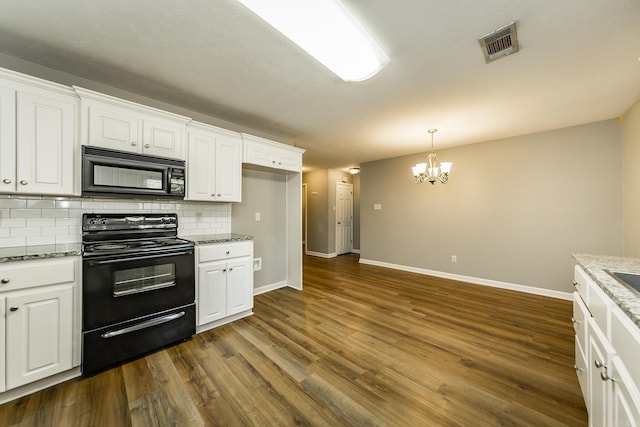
(338, 183)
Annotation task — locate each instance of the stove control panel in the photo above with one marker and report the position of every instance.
(99, 222)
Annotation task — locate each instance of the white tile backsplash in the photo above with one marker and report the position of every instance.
(37, 220)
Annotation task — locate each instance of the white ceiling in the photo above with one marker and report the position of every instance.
(579, 62)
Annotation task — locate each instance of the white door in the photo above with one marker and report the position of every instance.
(239, 289)
(39, 333)
(228, 169)
(46, 139)
(114, 128)
(162, 139)
(212, 292)
(7, 140)
(344, 218)
(202, 157)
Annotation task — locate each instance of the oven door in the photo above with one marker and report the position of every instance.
(117, 289)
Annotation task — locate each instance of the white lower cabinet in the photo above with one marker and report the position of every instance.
(39, 333)
(40, 323)
(224, 283)
(607, 366)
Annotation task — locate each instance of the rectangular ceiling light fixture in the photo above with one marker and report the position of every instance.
(327, 31)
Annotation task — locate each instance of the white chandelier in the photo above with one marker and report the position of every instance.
(431, 171)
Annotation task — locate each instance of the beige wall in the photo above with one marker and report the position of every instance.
(513, 211)
(264, 192)
(631, 143)
(317, 217)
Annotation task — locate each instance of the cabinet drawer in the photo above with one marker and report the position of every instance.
(580, 316)
(224, 251)
(625, 338)
(599, 306)
(580, 280)
(29, 274)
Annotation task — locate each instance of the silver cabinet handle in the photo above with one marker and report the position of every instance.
(573, 320)
(577, 368)
(6, 181)
(13, 308)
(224, 270)
(598, 364)
(605, 377)
(4, 281)
(133, 143)
(228, 252)
(575, 283)
(24, 182)
(230, 268)
(147, 145)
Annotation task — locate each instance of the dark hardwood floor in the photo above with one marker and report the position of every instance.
(360, 346)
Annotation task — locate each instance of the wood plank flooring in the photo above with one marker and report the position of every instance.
(360, 346)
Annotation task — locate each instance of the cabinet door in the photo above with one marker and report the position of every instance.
(259, 154)
(239, 286)
(228, 170)
(46, 138)
(3, 352)
(7, 140)
(113, 128)
(212, 291)
(162, 138)
(599, 390)
(39, 333)
(202, 157)
(625, 399)
(289, 161)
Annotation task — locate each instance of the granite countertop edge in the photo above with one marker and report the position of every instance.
(27, 253)
(595, 266)
(205, 239)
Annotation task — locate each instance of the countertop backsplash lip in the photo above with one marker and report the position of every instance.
(595, 266)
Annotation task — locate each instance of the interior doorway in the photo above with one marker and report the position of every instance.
(304, 218)
(344, 218)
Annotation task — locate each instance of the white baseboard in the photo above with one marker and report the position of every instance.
(322, 255)
(220, 322)
(475, 280)
(40, 385)
(269, 287)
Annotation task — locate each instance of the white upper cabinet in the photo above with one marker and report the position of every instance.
(263, 152)
(214, 164)
(123, 125)
(38, 136)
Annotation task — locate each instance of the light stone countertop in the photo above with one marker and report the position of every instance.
(26, 253)
(206, 239)
(626, 299)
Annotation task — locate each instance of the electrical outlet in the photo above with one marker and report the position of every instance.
(257, 264)
(454, 258)
(258, 216)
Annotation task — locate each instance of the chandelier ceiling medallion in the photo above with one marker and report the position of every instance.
(432, 171)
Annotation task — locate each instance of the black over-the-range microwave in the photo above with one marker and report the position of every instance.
(113, 173)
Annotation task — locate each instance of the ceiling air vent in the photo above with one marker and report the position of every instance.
(501, 42)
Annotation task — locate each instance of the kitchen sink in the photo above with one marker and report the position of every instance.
(630, 280)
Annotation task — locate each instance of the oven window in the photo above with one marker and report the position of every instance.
(114, 176)
(143, 279)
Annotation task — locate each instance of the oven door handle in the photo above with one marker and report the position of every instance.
(137, 258)
(144, 325)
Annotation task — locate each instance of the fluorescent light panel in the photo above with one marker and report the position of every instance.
(327, 31)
